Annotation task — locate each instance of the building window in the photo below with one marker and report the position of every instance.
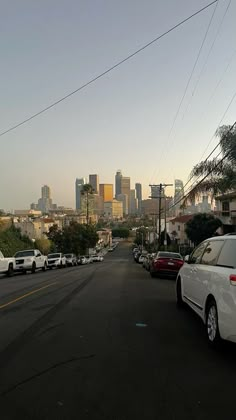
(225, 208)
(178, 228)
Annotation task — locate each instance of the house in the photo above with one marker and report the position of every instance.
(226, 211)
(176, 228)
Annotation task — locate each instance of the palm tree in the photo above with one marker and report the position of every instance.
(219, 173)
(87, 190)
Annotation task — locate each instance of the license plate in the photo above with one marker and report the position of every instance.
(170, 263)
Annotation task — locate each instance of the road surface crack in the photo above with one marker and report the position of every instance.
(44, 371)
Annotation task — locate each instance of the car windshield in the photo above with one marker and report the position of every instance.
(24, 254)
(169, 255)
(50, 256)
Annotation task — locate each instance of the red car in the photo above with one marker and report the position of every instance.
(166, 264)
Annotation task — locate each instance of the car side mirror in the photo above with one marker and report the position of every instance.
(186, 258)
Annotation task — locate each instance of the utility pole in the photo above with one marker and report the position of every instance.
(161, 188)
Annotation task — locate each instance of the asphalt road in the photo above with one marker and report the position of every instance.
(106, 341)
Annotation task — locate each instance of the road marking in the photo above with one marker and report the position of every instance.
(26, 295)
(141, 324)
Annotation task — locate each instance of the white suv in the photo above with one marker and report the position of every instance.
(207, 283)
(30, 260)
(57, 260)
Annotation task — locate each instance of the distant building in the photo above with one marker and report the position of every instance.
(124, 199)
(179, 191)
(133, 202)
(94, 181)
(106, 192)
(138, 188)
(98, 205)
(125, 188)
(150, 207)
(113, 209)
(79, 182)
(176, 229)
(27, 213)
(118, 178)
(45, 202)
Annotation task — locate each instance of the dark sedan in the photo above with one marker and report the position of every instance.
(166, 264)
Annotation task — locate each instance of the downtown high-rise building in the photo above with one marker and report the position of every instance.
(79, 182)
(118, 178)
(179, 191)
(124, 199)
(94, 182)
(138, 189)
(45, 202)
(106, 192)
(125, 189)
(133, 202)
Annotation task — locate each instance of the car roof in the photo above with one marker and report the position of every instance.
(219, 238)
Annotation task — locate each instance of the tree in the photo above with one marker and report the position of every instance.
(86, 191)
(201, 227)
(74, 238)
(223, 172)
(120, 232)
(44, 245)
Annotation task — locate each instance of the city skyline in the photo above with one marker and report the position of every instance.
(126, 118)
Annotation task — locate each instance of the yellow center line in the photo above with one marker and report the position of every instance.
(27, 294)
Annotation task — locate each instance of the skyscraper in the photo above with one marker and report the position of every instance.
(106, 192)
(124, 199)
(125, 188)
(79, 182)
(45, 202)
(179, 190)
(133, 202)
(94, 181)
(118, 178)
(138, 188)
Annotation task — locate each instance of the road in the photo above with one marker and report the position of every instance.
(106, 341)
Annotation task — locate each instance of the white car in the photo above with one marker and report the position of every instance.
(30, 260)
(207, 283)
(7, 265)
(57, 260)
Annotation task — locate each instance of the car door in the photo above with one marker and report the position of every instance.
(3, 263)
(39, 259)
(204, 272)
(190, 272)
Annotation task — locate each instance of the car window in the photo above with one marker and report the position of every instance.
(196, 255)
(227, 256)
(211, 252)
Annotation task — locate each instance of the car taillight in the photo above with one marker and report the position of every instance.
(232, 278)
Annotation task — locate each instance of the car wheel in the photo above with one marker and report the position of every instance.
(179, 299)
(10, 271)
(212, 327)
(33, 269)
(44, 267)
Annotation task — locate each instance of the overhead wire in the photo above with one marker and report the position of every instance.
(188, 83)
(207, 57)
(110, 69)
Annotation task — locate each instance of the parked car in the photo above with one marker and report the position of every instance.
(71, 260)
(166, 264)
(95, 258)
(141, 258)
(57, 260)
(89, 259)
(136, 256)
(207, 283)
(110, 249)
(146, 261)
(7, 265)
(30, 260)
(82, 260)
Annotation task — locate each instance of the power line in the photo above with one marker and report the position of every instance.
(189, 80)
(208, 55)
(209, 172)
(119, 63)
(210, 154)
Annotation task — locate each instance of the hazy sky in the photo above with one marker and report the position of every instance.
(51, 47)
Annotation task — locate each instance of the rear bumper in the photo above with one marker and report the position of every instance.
(167, 273)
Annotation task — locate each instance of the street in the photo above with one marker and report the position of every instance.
(106, 341)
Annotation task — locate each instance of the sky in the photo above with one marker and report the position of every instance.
(126, 120)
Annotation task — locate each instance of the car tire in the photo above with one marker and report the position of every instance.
(10, 271)
(212, 326)
(33, 269)
(44, 267)
(179, 299)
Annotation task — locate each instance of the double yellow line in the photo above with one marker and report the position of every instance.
(26, 295)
